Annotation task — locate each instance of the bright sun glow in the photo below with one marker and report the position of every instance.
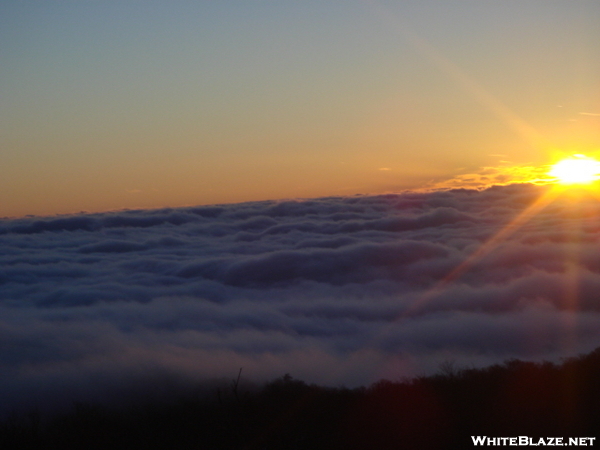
(576, 170)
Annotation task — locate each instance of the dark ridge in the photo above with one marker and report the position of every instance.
(441, 411)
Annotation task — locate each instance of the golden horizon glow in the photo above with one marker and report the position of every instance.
(578, 169)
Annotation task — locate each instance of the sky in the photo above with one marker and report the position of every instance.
(106, 105)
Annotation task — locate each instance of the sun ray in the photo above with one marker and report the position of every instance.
(570, 179)
(461, 78)
(487, 247)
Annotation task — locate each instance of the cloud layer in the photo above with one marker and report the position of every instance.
(333, 290)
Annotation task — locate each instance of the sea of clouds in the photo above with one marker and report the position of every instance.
(336, 291)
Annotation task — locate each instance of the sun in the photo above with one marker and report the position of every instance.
(576, 170)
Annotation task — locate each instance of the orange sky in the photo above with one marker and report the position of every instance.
(107, 105)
